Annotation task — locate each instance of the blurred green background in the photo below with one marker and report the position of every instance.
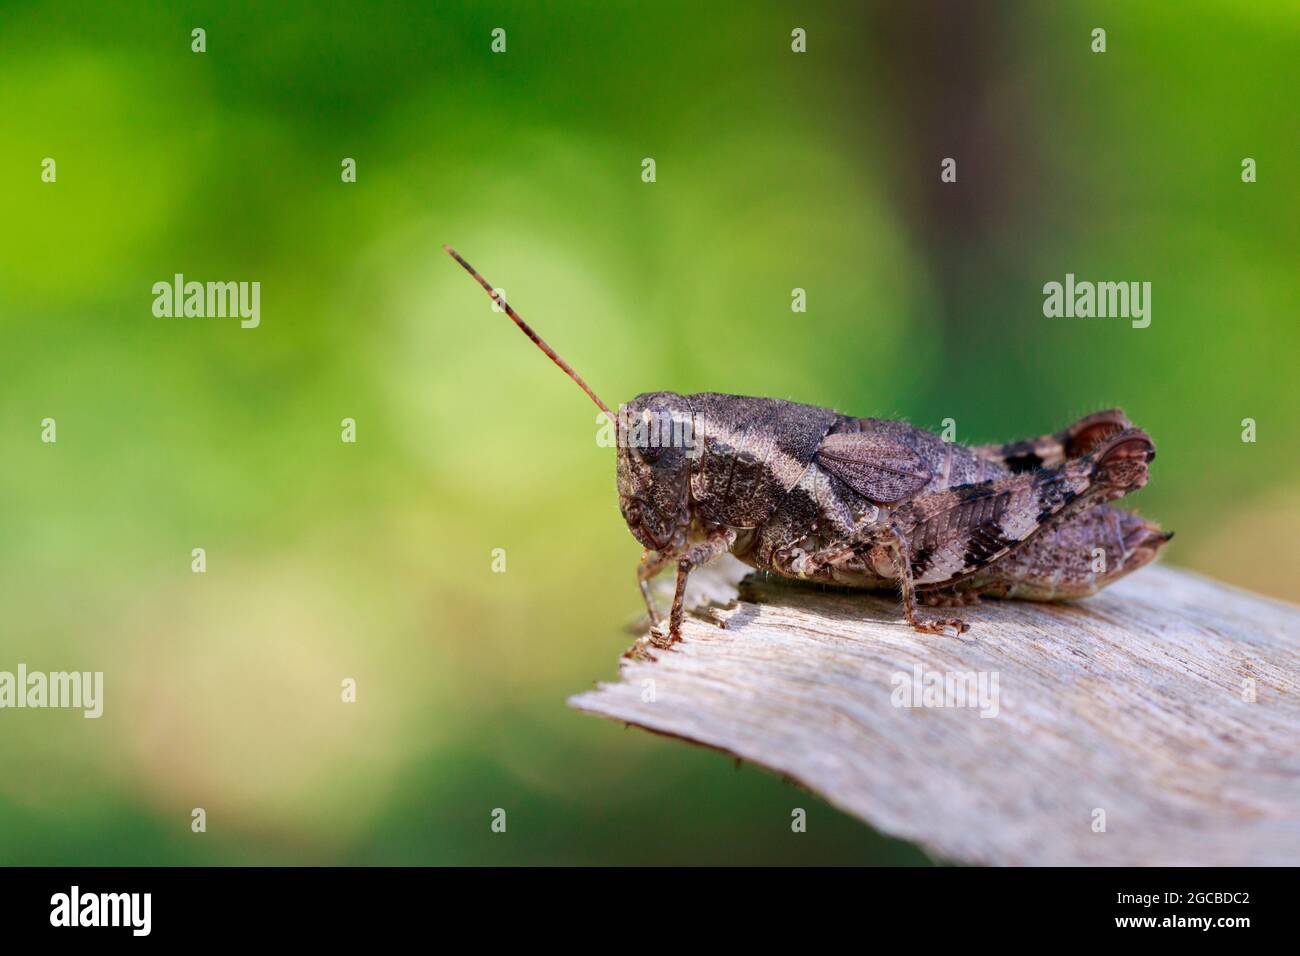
(372, 560)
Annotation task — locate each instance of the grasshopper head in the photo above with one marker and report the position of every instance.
(656, 443)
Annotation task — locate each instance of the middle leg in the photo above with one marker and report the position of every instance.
(901, 548)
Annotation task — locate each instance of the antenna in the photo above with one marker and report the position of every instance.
(528, 331)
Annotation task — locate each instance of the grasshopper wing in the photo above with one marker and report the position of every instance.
(879, 468)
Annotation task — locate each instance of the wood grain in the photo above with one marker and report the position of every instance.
(1169, 702)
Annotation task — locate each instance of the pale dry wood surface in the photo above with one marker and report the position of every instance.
(1136, 702)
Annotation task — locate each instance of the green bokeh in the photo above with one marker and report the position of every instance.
(372, 561)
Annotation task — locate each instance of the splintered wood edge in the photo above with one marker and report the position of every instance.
(1128, 710)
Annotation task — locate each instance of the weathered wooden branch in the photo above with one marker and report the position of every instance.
(1166, 708)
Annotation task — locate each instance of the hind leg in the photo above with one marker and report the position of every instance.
(1078, 558)
(951, 542)
(1047, 451)
(971, 533)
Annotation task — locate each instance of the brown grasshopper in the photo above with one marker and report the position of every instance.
(808, 493)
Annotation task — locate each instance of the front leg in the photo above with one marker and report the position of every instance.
(652, 562)
(718, 543)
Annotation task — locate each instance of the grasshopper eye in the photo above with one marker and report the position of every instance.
(650, 453)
